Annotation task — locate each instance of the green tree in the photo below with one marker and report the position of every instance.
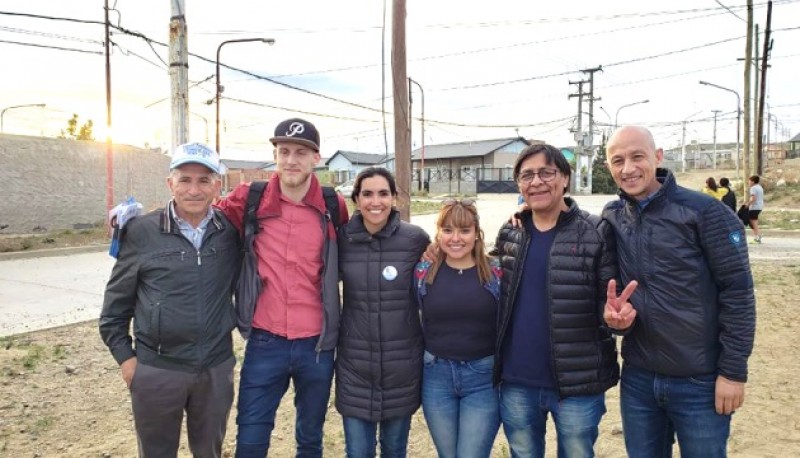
(74, 132)
(602, 182)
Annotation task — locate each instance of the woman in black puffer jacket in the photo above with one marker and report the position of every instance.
(379, 359)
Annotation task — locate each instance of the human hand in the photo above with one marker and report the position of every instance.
(516, 221)
(728, 395)
(619, 313)
(128, 368)
(431, 253)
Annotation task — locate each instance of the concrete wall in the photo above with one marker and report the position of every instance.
(52, 184)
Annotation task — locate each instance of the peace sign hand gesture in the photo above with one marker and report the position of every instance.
(619, 313)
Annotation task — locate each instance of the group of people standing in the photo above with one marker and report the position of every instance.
(750, 209)
(477, 339)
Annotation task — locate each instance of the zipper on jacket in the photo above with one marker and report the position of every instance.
(199, 258)
(325, 248)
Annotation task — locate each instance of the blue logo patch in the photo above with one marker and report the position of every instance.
(736, 237)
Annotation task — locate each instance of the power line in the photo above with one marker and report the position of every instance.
(59, 48)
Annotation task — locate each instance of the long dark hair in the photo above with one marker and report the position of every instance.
(712, 184)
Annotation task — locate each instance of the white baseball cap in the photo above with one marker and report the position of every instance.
(196, 153)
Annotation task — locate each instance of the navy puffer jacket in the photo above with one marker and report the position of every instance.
(695, 304)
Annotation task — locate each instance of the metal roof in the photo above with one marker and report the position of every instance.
(246, 165)
(359, 158)
(465, 149)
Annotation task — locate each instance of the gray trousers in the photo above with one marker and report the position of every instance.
(160, 396)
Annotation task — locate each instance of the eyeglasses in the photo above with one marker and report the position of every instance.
(463, 202)
(545, 175)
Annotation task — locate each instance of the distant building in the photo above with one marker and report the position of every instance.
(245, 172)
(467, 167)
(345, 165)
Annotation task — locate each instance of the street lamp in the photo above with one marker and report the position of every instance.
(269, 41)
(422, 119)
(738, 119)
(3, 113)
(616, 117)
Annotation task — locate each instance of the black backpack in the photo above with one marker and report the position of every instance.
(257, 189)
(248, 284)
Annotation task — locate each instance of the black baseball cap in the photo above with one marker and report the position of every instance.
(296, 130)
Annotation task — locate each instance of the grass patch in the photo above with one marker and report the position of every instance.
(34, 357)
(779, 219)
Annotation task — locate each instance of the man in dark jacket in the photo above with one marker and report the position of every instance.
(554, 353)
(174, 277)
(686, 353)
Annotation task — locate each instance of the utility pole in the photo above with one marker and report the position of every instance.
(683, 148)
(592, 99)
(762, 93)
(714, 158)
(402, 143)
(748, 55)
(179, 74)
(109, 145)
(578, 134)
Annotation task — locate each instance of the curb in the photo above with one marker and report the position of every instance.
(52, 252)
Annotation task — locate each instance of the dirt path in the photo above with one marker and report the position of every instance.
(61, 394)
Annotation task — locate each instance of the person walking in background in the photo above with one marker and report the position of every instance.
(556, 356)
(174, 277)
(713, 190)
(729, 198)
(685, 355)
(293, 327)
(755, 204)
(459, 296)
(379, 359)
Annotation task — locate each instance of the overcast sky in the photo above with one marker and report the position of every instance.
(501, 63)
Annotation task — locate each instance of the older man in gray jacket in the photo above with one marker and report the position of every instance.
(174, 278)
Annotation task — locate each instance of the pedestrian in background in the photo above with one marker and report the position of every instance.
(729, 198)
(755, 205)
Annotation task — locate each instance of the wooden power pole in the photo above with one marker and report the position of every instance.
(762, 94)
(402, 140)
(748, 65)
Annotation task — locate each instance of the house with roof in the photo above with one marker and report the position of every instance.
(345, 165)
(478, 166)
(794, 147)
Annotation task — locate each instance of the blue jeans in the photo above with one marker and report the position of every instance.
(460, 405)
(655, 408)
(360, 442)
(269, 362)
(524, 409)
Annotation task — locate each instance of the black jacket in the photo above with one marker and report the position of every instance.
(581, 262)
(180, 298)
(379, 360)
(695, 305)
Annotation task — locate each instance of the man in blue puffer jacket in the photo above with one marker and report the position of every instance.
(685, 353)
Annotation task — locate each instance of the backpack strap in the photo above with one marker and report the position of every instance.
(332, 205)
(250, 222)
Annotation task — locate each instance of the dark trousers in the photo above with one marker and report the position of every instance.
(159, 398)
(270, 362)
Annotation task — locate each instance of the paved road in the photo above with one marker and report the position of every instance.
(42, 292)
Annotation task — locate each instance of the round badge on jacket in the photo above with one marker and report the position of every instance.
(389, 273)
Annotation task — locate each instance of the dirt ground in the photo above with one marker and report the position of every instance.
(61, 393)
